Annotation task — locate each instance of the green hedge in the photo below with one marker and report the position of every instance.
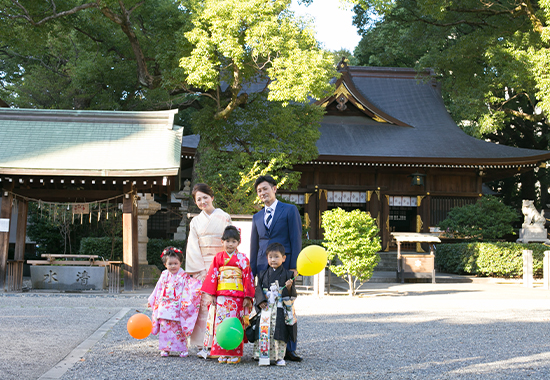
(109, 249)
(308, 242)
(103, 247)
(156, 246)
(497, 259)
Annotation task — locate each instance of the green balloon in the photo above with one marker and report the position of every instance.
(229, 333)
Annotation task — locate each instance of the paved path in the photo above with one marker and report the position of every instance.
(391, 331)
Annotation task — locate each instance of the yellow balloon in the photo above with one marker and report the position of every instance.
(311, 260)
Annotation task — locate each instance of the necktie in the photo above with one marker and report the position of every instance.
(268, 218)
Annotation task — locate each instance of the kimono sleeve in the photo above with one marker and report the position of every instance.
(285, 292)
(194, 262)
(210, 284)
(248, 282)
(190, 303)
(259, 296)
(156, 292)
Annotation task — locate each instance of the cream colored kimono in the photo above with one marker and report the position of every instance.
(203, 243)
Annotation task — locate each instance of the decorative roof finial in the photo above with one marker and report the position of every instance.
(342, 65)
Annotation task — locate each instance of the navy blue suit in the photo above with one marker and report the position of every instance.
(286, 228)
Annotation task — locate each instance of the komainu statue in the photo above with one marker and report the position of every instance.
(532, 229)
(531, 216)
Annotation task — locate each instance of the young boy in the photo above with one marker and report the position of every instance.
(275, 292)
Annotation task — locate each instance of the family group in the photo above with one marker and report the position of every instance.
(220, 282)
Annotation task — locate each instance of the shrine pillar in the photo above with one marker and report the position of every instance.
(130, 241)
(146, 206)
(5, 221)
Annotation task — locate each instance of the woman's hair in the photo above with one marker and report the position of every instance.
(231, 232)
(203, 188)
(171, 252)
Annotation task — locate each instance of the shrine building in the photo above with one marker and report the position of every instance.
(388, 146)
(79, 159)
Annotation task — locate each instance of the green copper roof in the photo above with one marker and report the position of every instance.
(106, 143)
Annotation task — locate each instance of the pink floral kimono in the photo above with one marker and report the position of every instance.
(175, 302)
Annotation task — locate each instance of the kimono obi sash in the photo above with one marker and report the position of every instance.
(231, 278)
(210, 241)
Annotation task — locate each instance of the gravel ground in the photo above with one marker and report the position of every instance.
(38, 330)
(429, 331)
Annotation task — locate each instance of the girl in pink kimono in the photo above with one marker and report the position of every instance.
(203, 243)
(175, 302)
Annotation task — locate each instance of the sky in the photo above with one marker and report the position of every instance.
(332, 23)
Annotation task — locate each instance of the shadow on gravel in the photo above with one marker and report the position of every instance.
(434, 344)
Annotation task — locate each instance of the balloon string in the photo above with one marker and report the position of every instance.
(293, 278)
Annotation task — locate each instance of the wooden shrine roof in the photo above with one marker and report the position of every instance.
(57, 155)
(396, 117)
(416, 102)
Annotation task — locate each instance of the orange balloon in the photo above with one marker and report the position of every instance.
(139, 326)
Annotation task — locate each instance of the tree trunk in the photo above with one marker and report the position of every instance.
(351, 285)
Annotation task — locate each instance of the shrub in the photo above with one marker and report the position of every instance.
(488, 218)
(498, 259)
(352, 237)
(106, 247)
(156, 246)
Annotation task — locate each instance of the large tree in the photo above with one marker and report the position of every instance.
(492, 59)
(242, 74)
(256, 67)
(101, 54)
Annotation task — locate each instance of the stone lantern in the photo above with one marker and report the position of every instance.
(146, 206)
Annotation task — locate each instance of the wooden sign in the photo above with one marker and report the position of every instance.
(81, 208)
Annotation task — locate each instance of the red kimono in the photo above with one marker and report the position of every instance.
(230, 280)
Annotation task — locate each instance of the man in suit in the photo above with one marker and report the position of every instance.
(277, 222)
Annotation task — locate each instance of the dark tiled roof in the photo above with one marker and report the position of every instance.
(434, 136)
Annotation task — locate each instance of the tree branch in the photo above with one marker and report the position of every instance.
(55, 15)
(123, 20)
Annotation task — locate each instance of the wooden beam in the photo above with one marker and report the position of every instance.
(21, 233)
(60, 195)
(5, 213)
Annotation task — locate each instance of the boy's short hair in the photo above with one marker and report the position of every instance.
(231, 232)
(265, 178)
(275, 247)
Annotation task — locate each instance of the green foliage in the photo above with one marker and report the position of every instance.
(260, 138)
(491, 59)
(487, 219)
(112, 249)
(352, 238)
(256, 68)
(243, 41)
(156, 246)
(498, 259)
(308, 242)
(87, 59)
(109, 248)
(54, 230)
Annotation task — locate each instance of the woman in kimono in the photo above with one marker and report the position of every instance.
(231, 283)
(203, 243)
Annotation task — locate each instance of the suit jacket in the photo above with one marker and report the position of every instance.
(286, 228)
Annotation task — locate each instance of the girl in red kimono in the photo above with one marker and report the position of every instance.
(230, 283)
